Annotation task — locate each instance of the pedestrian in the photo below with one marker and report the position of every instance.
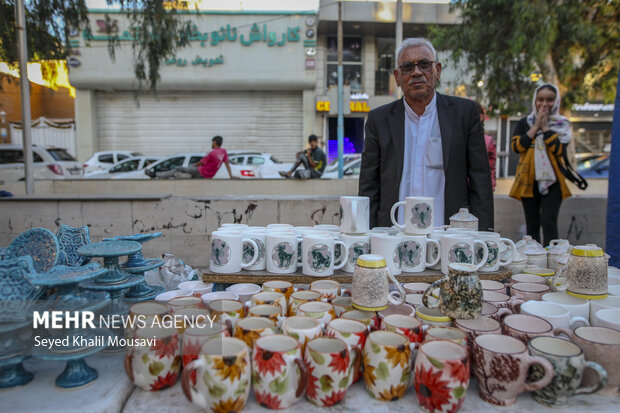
(425, 144)
(207, 167)
(490, 144)
(313, 159)
(541, 139)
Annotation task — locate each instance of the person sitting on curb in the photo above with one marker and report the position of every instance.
(313, 160)
(207, 167)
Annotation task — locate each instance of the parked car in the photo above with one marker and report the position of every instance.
(123, 169)
(100, 161)
(245, 164)
(596, 168)
(49, 163)
(351, 170)
(347, 158)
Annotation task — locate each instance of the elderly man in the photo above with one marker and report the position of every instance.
(426, 144)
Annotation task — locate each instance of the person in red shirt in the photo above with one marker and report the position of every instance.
(207, 167)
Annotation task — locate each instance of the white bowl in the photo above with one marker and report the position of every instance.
(198, 288)
(219, 295)
(163, 298)
(245, 291)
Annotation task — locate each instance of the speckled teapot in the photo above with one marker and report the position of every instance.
(460, 292)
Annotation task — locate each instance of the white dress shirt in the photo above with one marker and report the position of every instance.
(423, 159)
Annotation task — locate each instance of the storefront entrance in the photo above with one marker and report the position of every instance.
(353, 136)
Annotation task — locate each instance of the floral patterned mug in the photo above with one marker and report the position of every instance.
(279, 374)
(194, 337)
(387, 365)
(156, 365)
(300, 297)
(352, 332)
(441, 376)
(331, 370)
(251, 329)
(302, 329)
(219, 380)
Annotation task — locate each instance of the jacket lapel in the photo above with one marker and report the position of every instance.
(397, 130)
(445, 112)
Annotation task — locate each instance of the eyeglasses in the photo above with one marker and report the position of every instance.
(409, 67)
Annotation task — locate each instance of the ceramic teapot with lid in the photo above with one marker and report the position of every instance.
(556, 248)
(464, 219)
(536, 253)
(460, 292)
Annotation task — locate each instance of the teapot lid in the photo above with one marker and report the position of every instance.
(371, 261)
(587, 251)
(530, 246)
(463, 216)
(560, 246)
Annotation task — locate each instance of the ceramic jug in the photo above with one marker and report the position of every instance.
(370, 286)
(460, 294)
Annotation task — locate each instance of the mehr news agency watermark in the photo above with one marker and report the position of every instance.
(84, 320)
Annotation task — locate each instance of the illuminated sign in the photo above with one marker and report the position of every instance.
(325, 105)
(593, 107)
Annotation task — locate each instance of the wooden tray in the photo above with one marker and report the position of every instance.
(259, 277)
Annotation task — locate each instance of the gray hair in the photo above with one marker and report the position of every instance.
(415, 42)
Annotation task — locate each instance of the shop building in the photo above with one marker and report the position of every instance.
(244, 76)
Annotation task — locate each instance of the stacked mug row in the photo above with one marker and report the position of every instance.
(319, 250)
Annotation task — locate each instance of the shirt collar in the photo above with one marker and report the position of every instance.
(430, 109)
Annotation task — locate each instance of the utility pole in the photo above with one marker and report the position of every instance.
(22, 46)
(399, 33)
(340, 124)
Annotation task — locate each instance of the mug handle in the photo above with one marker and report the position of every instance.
(392, 214)
(188, 388)
(600, 383)
(564, 331)
(503, 312)
(514, 251)
(515, 304)
(546, 379)
(430, 289)
(485, 256)
(357, 364)
(344, 256)
(401, 299)
(254, 256)
(436, 243)
(129, 365)
(578, 321)
(229, 326)
(303, 377)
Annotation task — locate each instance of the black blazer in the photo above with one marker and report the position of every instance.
(465, 161)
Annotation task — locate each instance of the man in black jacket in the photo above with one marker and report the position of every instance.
(425, 144)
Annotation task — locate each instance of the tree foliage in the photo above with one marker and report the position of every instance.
(575, 44)
(158, 31)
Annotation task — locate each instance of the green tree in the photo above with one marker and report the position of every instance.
(575, 44)
(157, 28)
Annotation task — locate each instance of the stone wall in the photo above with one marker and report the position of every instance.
(187, 222)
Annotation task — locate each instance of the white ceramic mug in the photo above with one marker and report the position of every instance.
(258, 236)
(227, 252)
(419, 213)
(318, 255)
(388, 246)
(458, 248)
(609, 302)
(354, 214)
(281, 252)
(356, 245)
(577, 307)
(608, 317)
(414, 256)
(494, 241)
(555, 314)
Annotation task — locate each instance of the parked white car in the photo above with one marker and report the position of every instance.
(49, 163)
(101, 161)
(352, 170)
(245, 164)
(123, 169)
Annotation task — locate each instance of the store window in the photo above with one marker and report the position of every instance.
(351, 62)
(384, 75)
